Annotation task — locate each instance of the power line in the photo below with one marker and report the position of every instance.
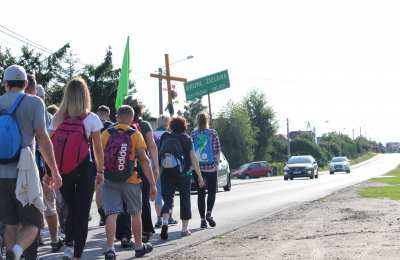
(26, 39)
(23, 41)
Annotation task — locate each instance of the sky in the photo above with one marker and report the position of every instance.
(335, 64)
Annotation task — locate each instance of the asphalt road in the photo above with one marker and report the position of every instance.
(248, 202)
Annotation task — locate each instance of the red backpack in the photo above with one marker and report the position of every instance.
(71, 146)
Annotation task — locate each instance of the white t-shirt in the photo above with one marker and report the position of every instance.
(92, 124)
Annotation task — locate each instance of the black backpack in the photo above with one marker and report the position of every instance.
(170, 150)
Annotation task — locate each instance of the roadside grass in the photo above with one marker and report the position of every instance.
(362, 158)
(392, 191)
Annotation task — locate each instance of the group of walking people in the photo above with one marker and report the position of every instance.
(53, 161)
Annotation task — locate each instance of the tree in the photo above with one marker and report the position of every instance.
(262, 118)
(103, 82)
(236, 135)
(279, 148)
(301, 146)
(48, 70)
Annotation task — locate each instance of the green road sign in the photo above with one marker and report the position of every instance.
(205, 85)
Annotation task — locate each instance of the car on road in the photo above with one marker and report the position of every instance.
(339, 164)
(301, 166)
(254, 170)
(224, 175)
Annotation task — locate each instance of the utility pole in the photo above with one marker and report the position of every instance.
(160, 92)
(209, 107)
(288, 137)
(353, 134)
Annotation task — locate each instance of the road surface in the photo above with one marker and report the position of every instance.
(246, 203)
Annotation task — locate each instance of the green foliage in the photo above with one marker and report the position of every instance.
(236, 134)
(302, 146)
(279, 149)
(262, 118)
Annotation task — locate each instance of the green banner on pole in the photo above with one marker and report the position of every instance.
(208, 84)
(123, 83)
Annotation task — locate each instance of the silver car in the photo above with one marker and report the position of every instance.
(339, 164)
(224, 175)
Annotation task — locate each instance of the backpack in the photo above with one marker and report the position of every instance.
(171, 152)
(203, 147)
(10, 133)
(117, 166)
(71, 146)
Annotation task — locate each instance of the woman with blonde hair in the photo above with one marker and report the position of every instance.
(208, 149)
(78, 176)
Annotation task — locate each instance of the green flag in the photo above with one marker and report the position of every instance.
(123, 83)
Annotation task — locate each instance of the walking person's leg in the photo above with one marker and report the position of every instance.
(158, 204)
(211, 180)
(83, 199)
(184, 187)
(168, 187)
(113, 205)
(201, 202)
(124, 227)
(67, 191)
(147, 223)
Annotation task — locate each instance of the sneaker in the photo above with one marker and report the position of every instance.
(147, 248)
(68, 253)
(203, 224)
(10, 255)
(158, 224)
(164, 232)
(186, 233)
(110, 255)
(211, 221)
(146, 237)
(55, 247)
(126, 243)
(172, 221)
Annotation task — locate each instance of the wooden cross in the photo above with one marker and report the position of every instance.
(168, 78)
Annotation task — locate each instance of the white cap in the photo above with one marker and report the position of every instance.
(15, 72)
(40, 92)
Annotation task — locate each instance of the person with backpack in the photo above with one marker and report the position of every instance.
(177, 157)
(22, 119)
(122, 144)
(76, 130)
(146, 130)
(104, 114)
(163, 124)
(207, 148)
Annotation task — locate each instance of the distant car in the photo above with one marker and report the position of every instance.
(254, 170)
(339, 164)
(301, 166)
(224, 175)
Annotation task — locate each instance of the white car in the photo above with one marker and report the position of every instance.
(224, 174)
(339, 164)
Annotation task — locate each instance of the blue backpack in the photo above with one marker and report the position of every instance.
(10, 134)
(203, 147)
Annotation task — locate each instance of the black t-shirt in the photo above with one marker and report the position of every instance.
(106, 125)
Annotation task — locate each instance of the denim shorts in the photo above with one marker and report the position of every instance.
(115, 194)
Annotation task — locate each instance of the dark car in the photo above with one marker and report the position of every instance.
(301, 166)
(254, 170)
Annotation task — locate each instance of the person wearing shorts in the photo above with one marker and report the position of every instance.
(22, 223)
(117, 193)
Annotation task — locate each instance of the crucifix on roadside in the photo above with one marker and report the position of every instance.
(168, 78)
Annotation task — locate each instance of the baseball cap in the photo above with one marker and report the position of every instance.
(14, 72)
(40, 92)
